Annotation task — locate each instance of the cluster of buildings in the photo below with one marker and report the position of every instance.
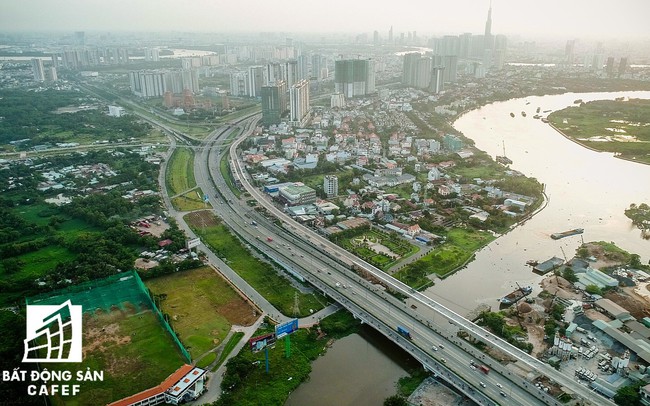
(157, 83)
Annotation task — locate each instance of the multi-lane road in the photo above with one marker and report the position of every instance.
(328, 268)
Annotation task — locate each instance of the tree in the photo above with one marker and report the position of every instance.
(593, 290)
(395, 400)
(628, 395)
(569, 275)
(12, 265)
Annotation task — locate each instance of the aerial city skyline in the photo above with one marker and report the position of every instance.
(550, 19)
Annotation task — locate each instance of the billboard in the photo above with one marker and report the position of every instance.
(260, 342)
(288, 327)
(195, 242)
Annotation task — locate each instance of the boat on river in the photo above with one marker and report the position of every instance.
(575, 231)
(516, 295)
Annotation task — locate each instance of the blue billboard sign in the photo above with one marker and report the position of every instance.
(288, 327)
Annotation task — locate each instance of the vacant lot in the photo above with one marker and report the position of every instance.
(260, 275)
(202, 307)
(132, 349)
(192, 200)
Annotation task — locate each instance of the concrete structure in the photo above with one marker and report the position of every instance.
(147, 83)
(116, 111)
(255, 81)
(274, 102)
(151, 55)
(38, 70)
(331, 185)
(354, 77)
(185, 384)
(337, 100)
(239, 84)
(297, 194)
(299, 103)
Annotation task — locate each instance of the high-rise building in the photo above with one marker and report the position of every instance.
(299, 103)
(487, 38)
(331, 185)
(375, 37)
(190, 79)
(437, 79)
(151, 55)
(255, 81)
(337, 100)
(80, 38)
(354, 77)
(272, 73)
(274, 102)
(417, 70)
(610, 67)
(303, 67)
(239, 84)
(38, 70)
(291, 72)
(147, 84)
(569, 52)
(622, 67)
(464, 45)
(450, 62)
(410, 67)
(50, 74)
(390, 35)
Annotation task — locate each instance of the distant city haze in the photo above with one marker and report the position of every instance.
(544, 18)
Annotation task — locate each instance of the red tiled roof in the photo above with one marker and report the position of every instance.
(166, 384)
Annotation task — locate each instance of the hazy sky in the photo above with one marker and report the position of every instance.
(563, 18)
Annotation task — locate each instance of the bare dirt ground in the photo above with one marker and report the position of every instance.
(603, 259)
(201, 219)
(141, 263)
(637, 305)
(432, 393)
(560, 287)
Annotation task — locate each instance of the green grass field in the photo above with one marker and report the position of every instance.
(180, 171)
(225, 172)
(192, 200)
(446, 258)
(227, 349)
(617, 126)
(202, 307)
(396, 244)
(131, 348)
(260, 275)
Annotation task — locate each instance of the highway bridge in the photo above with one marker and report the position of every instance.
(329, 268)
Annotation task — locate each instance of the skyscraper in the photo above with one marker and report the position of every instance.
(255, 80)
(274, 102)
(151, 55)
(331, 186)
(239, 84)
(390, 35)
(375, 37)
(38, 70)
(417, 70)
(316, 66)
(354, 77)
(450, 62)
(299, 103)
(437, 79)
(487, 38)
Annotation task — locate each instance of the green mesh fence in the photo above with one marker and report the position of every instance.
(108, 294)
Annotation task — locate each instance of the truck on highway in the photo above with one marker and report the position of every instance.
(254, 223)
(404, 332)
(484, 369)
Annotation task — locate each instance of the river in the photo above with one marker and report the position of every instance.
(586, 189)
(360, 370)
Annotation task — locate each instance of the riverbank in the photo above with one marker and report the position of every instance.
(615, 126)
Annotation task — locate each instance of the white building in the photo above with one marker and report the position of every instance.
(239, 84)
(337, 100)
(38, 70)
(331, 185)
(116, 111)
(299, 103)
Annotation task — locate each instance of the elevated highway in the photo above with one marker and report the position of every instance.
(328, 268)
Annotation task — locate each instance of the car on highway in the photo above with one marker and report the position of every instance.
(444, 361)
(499, 385)
(502, 393)
(441, 346)
(269, 239)
(482, 384)
(434, 348)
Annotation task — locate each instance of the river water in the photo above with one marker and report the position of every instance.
(360, 370)
(586, 189)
